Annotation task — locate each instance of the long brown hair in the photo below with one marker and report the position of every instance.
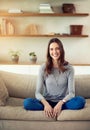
(61, 60)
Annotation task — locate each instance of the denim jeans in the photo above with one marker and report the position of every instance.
(75, 103)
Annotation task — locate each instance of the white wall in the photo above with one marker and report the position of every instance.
(77, 49)
(34, 69)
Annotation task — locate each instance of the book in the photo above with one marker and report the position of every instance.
(7, 27)
(45, 8)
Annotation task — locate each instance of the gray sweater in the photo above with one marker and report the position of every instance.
(57, 85)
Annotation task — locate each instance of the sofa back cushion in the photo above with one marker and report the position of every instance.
(23, 85)
(3, 93)
(19, 85)
(82, 85)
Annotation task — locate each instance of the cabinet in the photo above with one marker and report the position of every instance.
(29, 14)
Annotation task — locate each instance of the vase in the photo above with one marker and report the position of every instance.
(15, 58)
(33, 59)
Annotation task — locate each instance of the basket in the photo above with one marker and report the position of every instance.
(68, 8)
(76, 29)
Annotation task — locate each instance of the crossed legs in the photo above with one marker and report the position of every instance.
(75, 103)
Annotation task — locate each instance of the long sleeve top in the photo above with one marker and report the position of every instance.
(57, 85)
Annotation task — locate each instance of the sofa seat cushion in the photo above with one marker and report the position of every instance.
(19, 113)
(14, 110)
(82, 114)
(88, 101)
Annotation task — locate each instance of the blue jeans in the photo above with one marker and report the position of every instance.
(75, 103)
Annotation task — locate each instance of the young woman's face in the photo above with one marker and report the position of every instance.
(54, 51)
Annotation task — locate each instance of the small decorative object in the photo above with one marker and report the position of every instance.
(33, 29)
(45, 8)
(15, 11)
(33, 57)
(14, 56)
(76, 29)
(56, 9)
(68, 8)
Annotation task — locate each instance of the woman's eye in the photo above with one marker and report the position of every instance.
(57, 48)
(51, 49)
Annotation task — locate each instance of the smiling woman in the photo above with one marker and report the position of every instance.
(55, 89)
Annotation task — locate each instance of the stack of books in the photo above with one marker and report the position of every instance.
(45, 8)
(7, 27)
(15, 11)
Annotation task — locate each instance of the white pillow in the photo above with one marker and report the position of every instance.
(3, 93)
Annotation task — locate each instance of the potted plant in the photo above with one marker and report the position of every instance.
(33, 57)
(14, 56)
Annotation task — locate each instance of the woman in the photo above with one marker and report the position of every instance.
(55, 89)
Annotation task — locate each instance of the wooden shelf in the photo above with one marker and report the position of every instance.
(23, 14)
(28, 14)
(43, 35)
(37, 63)
(19, 63)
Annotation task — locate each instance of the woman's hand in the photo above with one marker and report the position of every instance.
(47, 108)
(48, 111)
(57, 109)
(52, 112)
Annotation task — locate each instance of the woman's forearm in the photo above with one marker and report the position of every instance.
(44, 102)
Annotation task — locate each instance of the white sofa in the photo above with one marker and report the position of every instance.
(15, 87)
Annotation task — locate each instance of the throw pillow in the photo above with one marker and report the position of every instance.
(3, 92)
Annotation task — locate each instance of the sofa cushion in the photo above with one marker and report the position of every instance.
(11, 101)
(82, 85)
(19, 113)
(19, 85)
(3, 93)
(82, 114)
(14, 110)
(88, 100)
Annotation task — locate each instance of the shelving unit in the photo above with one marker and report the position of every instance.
(29, 14)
